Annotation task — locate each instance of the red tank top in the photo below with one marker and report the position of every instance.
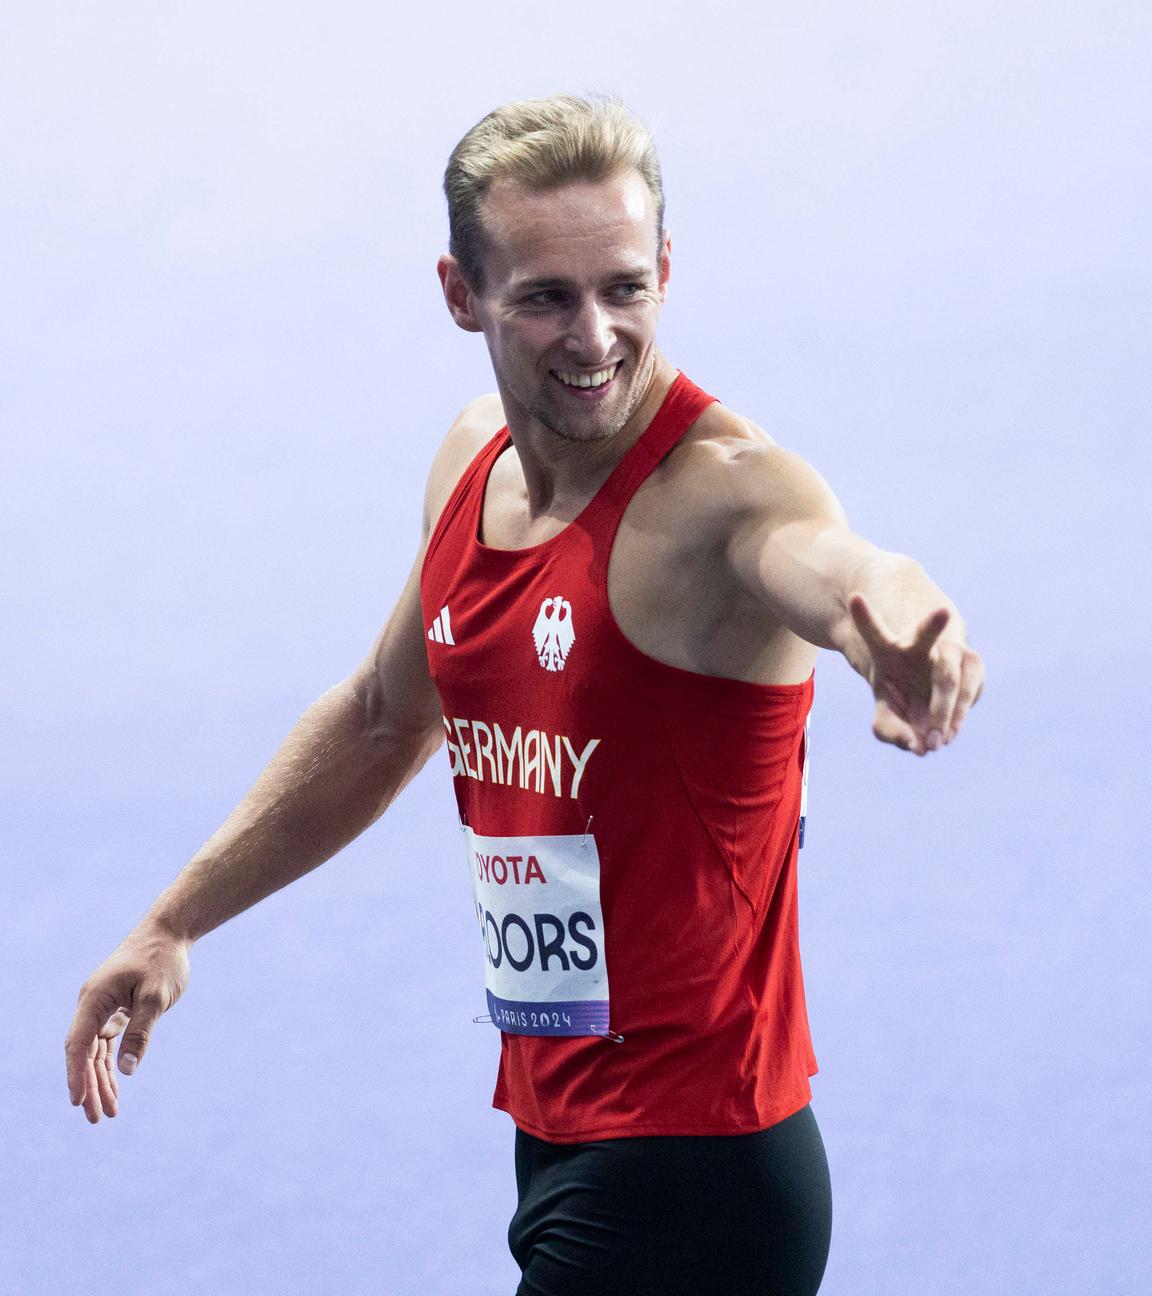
(631, 831)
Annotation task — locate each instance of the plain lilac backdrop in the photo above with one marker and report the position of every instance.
(911, 241)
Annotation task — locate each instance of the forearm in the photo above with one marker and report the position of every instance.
(329, 781)
(900, 590)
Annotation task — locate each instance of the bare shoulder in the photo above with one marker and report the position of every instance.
(730, 469)
(472, 429)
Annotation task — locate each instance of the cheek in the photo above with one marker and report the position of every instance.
(641, 321)
(523, 335)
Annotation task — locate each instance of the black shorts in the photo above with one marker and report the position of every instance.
(678, 1215)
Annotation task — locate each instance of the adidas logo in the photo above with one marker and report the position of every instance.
(440, 631)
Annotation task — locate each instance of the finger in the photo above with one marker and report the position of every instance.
(146, 1007)
(870, 624)
(103, 1083)
(99, 1065)
(890, 728)
(930, 629)
(889, 692)
(113, 1083)
(112, 1028)
(971, 687)
(80, 1044)
(114, 1025)
(91, 1102)
(945, 690)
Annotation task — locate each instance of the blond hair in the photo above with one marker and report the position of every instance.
(543, 143)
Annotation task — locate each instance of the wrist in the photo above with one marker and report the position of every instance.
(847, 641)
(164, 924)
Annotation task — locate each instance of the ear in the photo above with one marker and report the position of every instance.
(457, 293)
(664, 270)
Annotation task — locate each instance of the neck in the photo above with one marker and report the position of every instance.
(559, 471)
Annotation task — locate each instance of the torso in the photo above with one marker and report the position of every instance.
(670, 586)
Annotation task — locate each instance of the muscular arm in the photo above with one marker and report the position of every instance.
(345, 761)
(791, 547)
(340, 767)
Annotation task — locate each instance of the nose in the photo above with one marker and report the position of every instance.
(589, 332)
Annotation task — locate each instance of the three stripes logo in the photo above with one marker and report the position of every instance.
(440, 631)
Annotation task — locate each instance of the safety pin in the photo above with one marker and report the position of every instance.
(486, 1018)
(584, 839)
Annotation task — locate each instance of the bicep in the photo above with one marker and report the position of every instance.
(790, 546)
(393, 681)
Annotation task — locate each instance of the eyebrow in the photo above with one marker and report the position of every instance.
(535, 285)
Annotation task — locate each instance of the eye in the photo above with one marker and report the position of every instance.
(627, 290)
(545, 297)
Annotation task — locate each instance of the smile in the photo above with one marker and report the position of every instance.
(598, 379)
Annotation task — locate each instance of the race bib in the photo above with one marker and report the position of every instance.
(538, 905)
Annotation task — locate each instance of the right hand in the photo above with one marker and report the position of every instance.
(141, 979)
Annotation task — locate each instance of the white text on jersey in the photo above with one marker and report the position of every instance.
(528, 758)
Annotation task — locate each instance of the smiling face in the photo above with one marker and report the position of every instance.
(572, 291)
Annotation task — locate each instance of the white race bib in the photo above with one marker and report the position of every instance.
(538, 905)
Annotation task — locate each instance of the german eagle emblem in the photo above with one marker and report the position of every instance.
(553, 633)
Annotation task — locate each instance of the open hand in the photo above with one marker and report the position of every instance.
(127, 993)
(924, 683)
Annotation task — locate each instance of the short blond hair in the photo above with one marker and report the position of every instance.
(543, 143)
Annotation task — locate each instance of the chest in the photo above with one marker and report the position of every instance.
(668, 587)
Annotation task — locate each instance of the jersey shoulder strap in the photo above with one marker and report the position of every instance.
(459, 505)
(682, 406)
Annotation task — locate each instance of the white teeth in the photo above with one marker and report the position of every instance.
(587, 380)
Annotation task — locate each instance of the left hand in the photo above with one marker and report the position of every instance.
(924, 684)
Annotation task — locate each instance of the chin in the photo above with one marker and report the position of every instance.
(567, 430)
(597, 426)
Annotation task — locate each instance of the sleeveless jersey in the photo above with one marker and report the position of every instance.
(631, 830)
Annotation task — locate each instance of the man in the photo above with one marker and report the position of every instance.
(612, 621)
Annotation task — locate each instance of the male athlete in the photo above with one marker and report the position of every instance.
(611, 623)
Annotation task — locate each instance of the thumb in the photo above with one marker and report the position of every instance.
(890, 728)
(146, 1007)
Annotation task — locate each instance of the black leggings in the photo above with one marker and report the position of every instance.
(677, 1215)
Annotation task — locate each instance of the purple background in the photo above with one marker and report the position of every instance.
(909, 240)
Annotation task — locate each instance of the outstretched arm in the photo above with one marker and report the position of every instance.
(790, 545)
(346, 760)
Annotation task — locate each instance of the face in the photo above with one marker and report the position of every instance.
(572, 291)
